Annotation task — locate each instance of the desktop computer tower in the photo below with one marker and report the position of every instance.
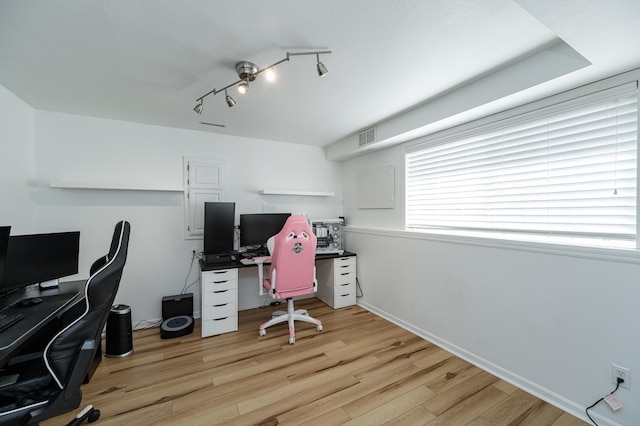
(119, 339)
(329, 234)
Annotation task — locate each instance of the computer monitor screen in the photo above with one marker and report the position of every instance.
(4, 241)
(219, 227)
(38, 258)
(256, 229)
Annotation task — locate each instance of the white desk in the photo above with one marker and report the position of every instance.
(336, 275)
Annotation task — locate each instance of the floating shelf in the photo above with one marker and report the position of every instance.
(305, 193)
(115, 187)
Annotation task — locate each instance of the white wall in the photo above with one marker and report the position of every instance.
(83, 149)
(17, 164)
(551, 324)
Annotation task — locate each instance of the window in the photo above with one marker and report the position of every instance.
(565, 171)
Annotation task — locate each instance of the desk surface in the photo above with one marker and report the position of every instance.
(54, 301)
(236, 264)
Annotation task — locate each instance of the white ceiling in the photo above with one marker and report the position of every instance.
(148, 61)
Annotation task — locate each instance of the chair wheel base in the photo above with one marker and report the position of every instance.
(94, 416)
(89, 414)
(290, 316)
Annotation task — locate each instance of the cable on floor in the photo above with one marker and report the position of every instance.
(602, 399)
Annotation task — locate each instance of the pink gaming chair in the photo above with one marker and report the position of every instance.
(292, 273)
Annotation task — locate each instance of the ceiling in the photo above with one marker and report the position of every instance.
(147, 61)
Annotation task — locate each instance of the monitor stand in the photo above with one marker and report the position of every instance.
(218, 258)
(49, 284)
(262, 250)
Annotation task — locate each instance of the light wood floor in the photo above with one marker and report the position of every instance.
(360, 370)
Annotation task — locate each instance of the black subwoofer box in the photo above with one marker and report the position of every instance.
(177, 316)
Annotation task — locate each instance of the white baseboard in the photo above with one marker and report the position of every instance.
(533, 388)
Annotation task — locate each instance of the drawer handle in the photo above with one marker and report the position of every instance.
(221, 282)
(220, 272)
(346, 284)
(222, 304)
(220, 291)
(345, 273)
(220, 319)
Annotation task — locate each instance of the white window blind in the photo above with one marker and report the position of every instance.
(566, 170)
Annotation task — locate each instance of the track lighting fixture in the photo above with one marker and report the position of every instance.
(243, 87)
(198, 107)
(248, 71)
(322, 70)
(270, 74)
(230, 101)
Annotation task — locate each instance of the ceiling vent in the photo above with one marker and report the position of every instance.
(367, 137)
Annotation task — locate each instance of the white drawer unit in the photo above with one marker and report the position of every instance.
(219, 313)
(337, 281)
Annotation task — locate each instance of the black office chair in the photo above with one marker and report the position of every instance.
(49, 382)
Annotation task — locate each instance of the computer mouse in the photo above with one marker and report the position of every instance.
(30, 301)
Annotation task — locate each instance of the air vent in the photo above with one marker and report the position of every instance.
(367, 137)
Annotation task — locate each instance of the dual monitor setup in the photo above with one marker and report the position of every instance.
(255, 229)
(36, 259)
(219, 231)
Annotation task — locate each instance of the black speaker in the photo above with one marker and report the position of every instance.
(119, 334)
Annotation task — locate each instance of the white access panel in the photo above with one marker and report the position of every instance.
(376, 188)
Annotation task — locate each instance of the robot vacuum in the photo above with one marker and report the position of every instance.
(176, 327)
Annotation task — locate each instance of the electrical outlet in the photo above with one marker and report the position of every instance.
(623, 373)
(194, 250)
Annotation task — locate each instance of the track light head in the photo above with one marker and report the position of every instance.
(230, 101)
(270, 74)
(243, 87)
(322, 70)
(199, 107)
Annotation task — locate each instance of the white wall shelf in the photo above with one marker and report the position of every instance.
(304, 193)
(115, 187)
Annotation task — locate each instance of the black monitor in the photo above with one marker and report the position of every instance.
(219, 227)
(40, 258)
(4, 242)
(257, 228)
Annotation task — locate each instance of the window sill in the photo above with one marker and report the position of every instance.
(614, 254)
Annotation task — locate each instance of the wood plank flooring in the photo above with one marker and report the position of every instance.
(361, 370)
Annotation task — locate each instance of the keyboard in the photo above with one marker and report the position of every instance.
(7, 320)
(253, 260)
